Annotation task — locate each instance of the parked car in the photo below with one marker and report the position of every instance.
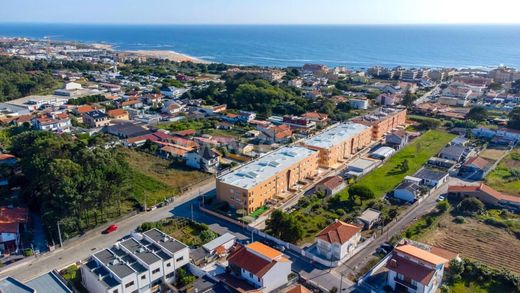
(441, 198)
(110, 229)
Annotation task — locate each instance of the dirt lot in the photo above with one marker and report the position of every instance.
(475, 240)
(492, 154)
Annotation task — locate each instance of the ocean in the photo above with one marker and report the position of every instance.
(354, 46)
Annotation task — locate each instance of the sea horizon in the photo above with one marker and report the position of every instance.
(356, 46)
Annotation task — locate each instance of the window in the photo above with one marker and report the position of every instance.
(170, 275)
(115, 291)
(143, 277)
(156, 271)
(250, 275)
(129, 284)
(180, 259)
(169, 264)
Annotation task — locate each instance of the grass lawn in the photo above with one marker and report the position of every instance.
(157, 178)
(389, 175)
(505, 177)
(186, 231)
(259, 211)
(465, 286)
(73, 275)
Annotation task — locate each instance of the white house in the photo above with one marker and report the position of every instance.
(261, 266)
(140, 263)
(73, 86)
(407, 191)
(431, 178)
(412, 269)
(338, 240)
(224, 242)
(204, 159)
(358, 103)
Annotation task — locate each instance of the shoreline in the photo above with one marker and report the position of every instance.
(166, 54)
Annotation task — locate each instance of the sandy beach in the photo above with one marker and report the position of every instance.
(103, 47)
(170, 55)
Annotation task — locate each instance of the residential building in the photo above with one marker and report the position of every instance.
(276, 133)
(330, 185)
(456, 95)
(253, 184)
(412, 269)
(386, 99)
(408, 191)
(369, 217)
(358, 103)
(339, 143)
(320, 119)
(397, 139)
(455, 153)
(56, 123)
(383, 121)
(204, 159)
(126, 129)
(49, 282)
(338, 240)
(7, 160)
(142, 263)
(299, 123)
(12, 224)
(222, 243)
(475, 168)
(431, 177)
(95, 119)
(118, 114)
(382, 153)
(315, 68)
(486, 194)
(361, 166)
(264, 268)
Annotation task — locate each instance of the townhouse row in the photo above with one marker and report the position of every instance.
(275, 174)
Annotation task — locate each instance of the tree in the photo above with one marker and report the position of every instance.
(443, 206)
(405, 166)
(362, 192)
(477, 113)
(471, 206)
(514, 117)
(284, 226)
(409, 98)
(456, 269)
(496, 86)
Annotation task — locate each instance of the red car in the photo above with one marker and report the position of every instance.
(110, 229)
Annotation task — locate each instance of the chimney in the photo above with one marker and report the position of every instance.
(393, 263)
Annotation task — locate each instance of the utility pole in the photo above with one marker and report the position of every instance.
(191, 212)
(145, 209)
(59, 233)
(341, 283)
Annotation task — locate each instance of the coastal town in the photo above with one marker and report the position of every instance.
(147, 171)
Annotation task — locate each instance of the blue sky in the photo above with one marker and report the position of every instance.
(261, 11)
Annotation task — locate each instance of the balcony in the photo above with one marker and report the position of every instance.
(405, 283)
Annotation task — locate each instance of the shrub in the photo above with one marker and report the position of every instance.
(470, 206)
(459, 220)
(27, 252)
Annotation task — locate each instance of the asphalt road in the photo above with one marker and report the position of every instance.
(93, 241)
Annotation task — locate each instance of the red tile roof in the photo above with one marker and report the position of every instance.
(10, 219)
(6, 157)
(410, 269)
(421, 254)
(298, 289)
(478, 162)
(338, 232)
(250, 262)
(116, 113)
(187, 132)
(315, 115)
(332, 182)
(486, 189)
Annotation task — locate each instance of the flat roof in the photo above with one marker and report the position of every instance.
(140, 251)
(362, 163)
(48, 283)
(109, 259)
(11, 285)
(165, 241)
(335, 135)
(213, 244)
(258, 171)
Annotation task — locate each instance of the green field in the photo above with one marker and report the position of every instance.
(506, 176)
(388, 176)
(156, 178)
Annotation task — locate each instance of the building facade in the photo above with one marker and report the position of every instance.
(252, 185)
(383, 121)
(339, 143)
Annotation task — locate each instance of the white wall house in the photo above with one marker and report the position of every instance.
(261, 266)
(338, 240)
(414, 270)
(140, 263)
